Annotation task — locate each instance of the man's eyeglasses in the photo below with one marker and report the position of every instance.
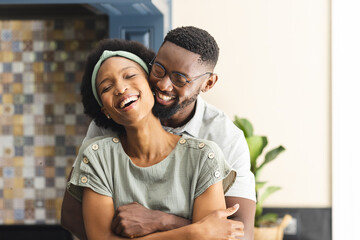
(178, 79)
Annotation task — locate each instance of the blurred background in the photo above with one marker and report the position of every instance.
(289, 66)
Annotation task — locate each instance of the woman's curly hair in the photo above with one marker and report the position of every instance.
(91, 106)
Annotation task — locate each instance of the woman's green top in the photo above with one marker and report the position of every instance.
(170, 186)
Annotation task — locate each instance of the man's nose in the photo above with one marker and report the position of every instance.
(164, 84)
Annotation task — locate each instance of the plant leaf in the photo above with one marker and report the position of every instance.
(271, 155)
(244, 125)
(256, 145)
(268, 191)
(259, 210)
(259, 185)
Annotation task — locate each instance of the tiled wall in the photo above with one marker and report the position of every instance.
(41, 115)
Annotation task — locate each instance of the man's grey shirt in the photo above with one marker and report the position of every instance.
(212, 124)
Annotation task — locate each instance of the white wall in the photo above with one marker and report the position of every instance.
(274, 69)
(345, 118)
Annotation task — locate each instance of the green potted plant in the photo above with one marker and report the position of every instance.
(256, 146)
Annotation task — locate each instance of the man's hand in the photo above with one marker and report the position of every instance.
(135, 220)
(215, 226)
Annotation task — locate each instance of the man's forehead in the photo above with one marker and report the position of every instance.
(172, 48)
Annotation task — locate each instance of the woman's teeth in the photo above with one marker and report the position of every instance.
(128, 100)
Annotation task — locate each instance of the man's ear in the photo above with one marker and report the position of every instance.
(210, 82)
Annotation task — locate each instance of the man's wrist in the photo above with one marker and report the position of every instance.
(165, 221)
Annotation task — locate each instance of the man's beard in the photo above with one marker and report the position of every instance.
(165, 113)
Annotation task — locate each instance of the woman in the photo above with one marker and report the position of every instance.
(142, 163)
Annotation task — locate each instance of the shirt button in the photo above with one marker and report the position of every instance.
(217, 174)
(182, 141)
(84, 179)
(201, 145)
(211, 155)
(95, 147)
(86, 160)
(115, 140)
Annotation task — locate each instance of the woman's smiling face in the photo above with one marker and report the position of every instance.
(124, 90)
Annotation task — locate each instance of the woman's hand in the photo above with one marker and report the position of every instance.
(215, 226)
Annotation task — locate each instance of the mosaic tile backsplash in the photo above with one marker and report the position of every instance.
(41, 116)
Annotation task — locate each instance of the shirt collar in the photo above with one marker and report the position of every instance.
(193, 126)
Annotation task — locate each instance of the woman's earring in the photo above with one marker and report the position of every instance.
(108, 116)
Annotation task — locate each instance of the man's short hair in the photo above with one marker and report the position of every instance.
(195, 40)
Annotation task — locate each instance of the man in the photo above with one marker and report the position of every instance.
(182, 68)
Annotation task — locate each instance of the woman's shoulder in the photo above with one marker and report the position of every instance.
(198, 143)
(99, 143)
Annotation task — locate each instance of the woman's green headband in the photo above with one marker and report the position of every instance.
(108, 54)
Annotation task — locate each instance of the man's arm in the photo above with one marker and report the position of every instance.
(245, 214)
(71, 215)
(135, 219)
